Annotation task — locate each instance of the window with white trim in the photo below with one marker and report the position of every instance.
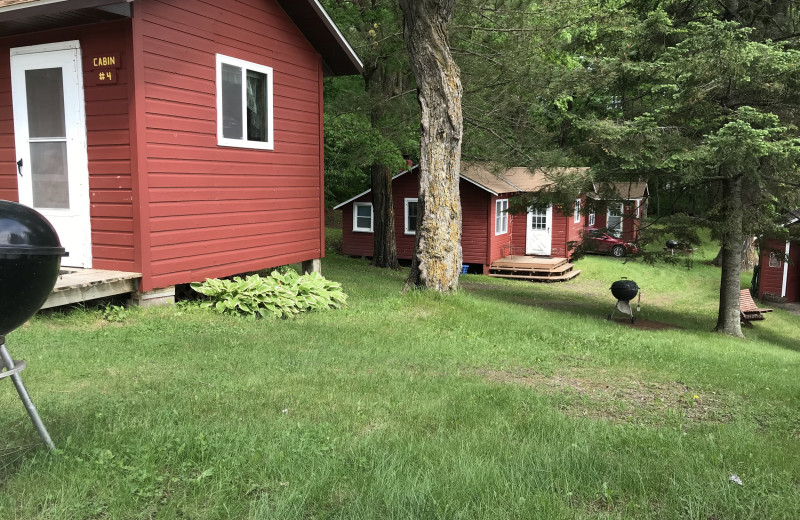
(362, 217)
(501, 217)
(411, 206)
(591, 218)
(577, 216)
(775, 261)
(244, 104)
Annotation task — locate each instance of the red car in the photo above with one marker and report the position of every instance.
(598, 241)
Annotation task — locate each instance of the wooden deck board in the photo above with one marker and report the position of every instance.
(534, 268)
(561, 278)
(80, 285)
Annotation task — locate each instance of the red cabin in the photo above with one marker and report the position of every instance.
(619, 207)
(778, 278)
(489, 233)
(179, 139)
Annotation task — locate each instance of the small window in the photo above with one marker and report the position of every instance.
(244, 104)
(501, 217)
(775, 261)
(362, 217)
(591, 219)
(411, 216)
(577, 210)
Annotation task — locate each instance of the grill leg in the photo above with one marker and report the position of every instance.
(26, 399)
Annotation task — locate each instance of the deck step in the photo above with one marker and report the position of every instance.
(528, 263)
(555, 271)
(539, 278)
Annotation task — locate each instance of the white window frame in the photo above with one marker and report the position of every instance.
(577, 212)
(357, 229)
(269, 144)
(774, 261)
(405, 216)
(591, 218)
(501, 217)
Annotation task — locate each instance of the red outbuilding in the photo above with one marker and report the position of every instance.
(492, 239)
(778, 278)
(618, 207)
(179, 139)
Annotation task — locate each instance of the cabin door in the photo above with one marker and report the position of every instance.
(50, 139)
(539, 239)
(614, 219)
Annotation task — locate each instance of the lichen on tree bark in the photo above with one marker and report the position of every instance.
(437, 259)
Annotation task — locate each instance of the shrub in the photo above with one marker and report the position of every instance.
(280, 294)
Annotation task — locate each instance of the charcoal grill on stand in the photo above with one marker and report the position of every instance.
(30, 258)
(625, 291)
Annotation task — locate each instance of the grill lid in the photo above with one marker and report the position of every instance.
(24, 231)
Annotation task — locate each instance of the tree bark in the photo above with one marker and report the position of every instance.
(728, 321)
(384, 246)
(437, 255)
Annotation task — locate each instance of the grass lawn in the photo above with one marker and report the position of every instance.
(507, 400)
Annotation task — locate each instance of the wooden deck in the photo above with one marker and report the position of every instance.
(80, 285)
(534, 268)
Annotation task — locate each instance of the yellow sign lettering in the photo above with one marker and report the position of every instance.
(104, 61)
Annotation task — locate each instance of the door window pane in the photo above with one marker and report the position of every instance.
(45, 92)
(256, 106)
(539, 219)
(49, 175)
(232, 124)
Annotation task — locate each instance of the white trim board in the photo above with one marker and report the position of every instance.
(786, 270)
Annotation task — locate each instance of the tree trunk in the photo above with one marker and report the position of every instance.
(728, 321)
(437, 261)
(384, 247)
(749, 255)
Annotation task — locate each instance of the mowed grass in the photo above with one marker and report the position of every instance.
(507, 400)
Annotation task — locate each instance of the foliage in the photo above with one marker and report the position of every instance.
(114, 313)
(281, 295)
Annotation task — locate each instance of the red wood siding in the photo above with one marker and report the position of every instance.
(793, 279)
(563, 229)
(476, 206)
(218, 211)
(771, 278)
(498, 244)
(357, 243)
(108, 139)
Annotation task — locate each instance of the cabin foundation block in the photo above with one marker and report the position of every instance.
(154, 298)
(312, 266)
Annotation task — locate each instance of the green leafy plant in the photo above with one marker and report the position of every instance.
(281, 295)
(114, 313)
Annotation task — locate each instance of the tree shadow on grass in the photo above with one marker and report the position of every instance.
(586, 307)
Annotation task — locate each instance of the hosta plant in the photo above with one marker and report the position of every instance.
(281, 295)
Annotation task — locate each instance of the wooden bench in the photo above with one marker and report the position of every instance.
(747, 308)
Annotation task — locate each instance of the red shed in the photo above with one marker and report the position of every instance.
(492, 239)
(180, 139)
(777, 277)
(620, 207)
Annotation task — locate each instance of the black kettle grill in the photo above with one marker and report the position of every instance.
(625, 291)
(30, 259)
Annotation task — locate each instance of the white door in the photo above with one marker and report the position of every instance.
(50, 138)
(614, 219)
(539, 239)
